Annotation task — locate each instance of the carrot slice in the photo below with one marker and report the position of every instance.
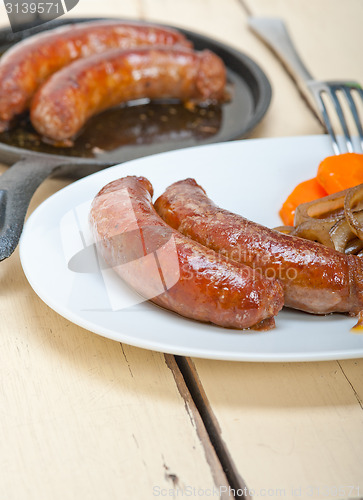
(336, 173)
(305, 191)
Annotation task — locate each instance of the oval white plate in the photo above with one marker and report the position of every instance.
(248, 177)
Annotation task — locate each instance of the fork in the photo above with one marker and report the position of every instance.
(275, 34)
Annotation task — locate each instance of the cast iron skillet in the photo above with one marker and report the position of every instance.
(123, 133)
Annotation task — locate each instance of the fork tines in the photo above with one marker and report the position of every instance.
(345, 90)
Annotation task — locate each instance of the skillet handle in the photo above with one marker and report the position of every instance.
(274, 33)
(17, 186)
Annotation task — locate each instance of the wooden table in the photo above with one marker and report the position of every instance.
(83, 417)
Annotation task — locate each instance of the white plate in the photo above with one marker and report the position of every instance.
(248, 177)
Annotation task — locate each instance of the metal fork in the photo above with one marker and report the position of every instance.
(274, 33)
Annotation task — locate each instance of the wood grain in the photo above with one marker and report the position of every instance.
(227, 21)
(326, 33)
(86, 417)
(288, 426)
(291, 426)
(83, 416)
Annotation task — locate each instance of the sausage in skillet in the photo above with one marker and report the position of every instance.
(29, 63)
(71, 96)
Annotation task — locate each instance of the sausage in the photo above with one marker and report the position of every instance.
(315, 278)
(30, 62)
(170, 269)
(64, 103)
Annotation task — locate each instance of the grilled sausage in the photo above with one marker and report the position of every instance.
(173, 271)
(30, 62)
(315, 278)
(64, 103)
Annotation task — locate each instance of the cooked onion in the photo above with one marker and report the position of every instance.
(314, 230)
(341, 234)
(323, 208)
(284, 229)
(355, 247)
(358, 328)
(335, 221)
(354, 200)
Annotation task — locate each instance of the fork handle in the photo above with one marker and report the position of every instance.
(274, 33)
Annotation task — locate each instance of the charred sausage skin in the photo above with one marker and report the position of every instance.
(24, 67)
(315, 278)
(65, 102)
(206, 287)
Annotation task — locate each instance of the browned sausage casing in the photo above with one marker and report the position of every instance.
(64, 103)
(30, 62)
(196, 282)
(315, 278)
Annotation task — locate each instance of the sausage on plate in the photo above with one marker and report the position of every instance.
(173, 271)
(30, 62)
(71, 96)
(315, 278)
